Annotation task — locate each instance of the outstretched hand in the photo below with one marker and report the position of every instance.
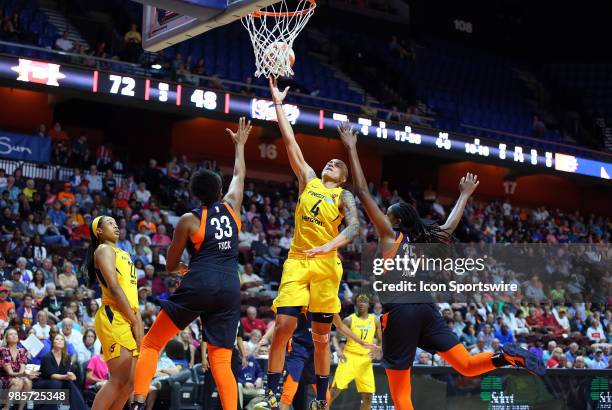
(319, 250)
(347, 135)
(468, 184)
(277, 95)
(242, 134)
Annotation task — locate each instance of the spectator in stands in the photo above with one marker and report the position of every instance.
(252, 322)
(80, 152)
(7, 30)
(133, 44)
(97, 373)
(250, 380)
(51, 303)
(161, 238)
(27, 312)
(480, 347)
(599, 361)
(8, 225)
(189, 348)
(104, 157)
(200, 68)
(41, 327)
(64, 43)
(56, 373)
(73, 336)
(51, 234)
(67, 280)
(555, 358)
(94, 180)
(595, 331)
(250, 282)
(152, 175)
(6, 305)
(89, 348)
(13, 375)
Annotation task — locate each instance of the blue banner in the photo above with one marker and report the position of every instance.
(24, 147)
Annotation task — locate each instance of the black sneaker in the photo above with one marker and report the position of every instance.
(137, 406)
(270, 402)
(514, 355)
(318, 405)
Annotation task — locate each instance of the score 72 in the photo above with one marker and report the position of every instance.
(128, 85)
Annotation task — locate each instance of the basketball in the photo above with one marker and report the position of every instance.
(279, 49)
(414, 217)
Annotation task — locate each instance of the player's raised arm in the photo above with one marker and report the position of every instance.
(236, 189)
(300, 167)
(467, 186)
(360, 186)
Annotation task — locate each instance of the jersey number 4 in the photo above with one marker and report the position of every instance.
(223, 228)
(315, 209)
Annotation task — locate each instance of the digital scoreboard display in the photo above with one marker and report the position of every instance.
(200, 101)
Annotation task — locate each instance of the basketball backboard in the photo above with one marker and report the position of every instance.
(168, 22)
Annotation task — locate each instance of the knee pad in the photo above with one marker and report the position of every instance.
(322, 317)
(319, 338)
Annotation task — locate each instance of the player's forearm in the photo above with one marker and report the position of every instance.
(296, 159)
(360, 184)
(239, 163)
(456, 214)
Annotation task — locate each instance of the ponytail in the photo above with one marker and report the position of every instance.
(418, 230)
(89, 267)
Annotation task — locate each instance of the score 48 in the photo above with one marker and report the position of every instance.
(204, 99)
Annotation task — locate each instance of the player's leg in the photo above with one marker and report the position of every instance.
(293, 295)
(128, 389)
(324, 303)
(162, 330)
(117, 390)
(118, 348)
(290, 387)
(401, 389)
(364, 380)
(366, 401)
(220, 327)
(401, 332)
(321, 328)
(474, 365)
(345, 374)
(438, 337)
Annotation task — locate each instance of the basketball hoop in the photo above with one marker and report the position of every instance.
(272, 31)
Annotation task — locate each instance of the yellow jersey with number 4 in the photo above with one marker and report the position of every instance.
(365, 329)
(317, 216)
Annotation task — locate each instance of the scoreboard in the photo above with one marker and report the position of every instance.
(201, 101)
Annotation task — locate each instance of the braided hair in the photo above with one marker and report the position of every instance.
(89, 267)
(417, 229)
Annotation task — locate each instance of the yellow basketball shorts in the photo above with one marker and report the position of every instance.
(114, 332)
(359, 368)
(311, 282)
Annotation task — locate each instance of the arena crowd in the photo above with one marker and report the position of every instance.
(45, 230)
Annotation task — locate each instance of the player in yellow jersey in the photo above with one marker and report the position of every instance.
(356, 360)
(117, 323)
(312, 272)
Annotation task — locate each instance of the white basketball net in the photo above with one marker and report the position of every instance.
(272, 31)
